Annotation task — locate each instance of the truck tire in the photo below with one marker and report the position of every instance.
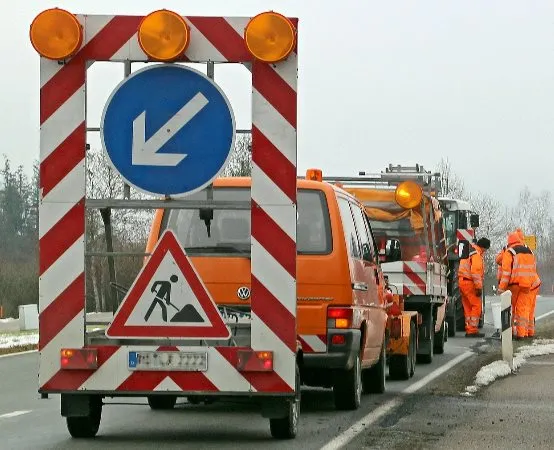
(162, 402)
(374, 378)
(287, 427)
(439, 341)
(427, 358)
(413, 332)
(460, 324)
(86, 426)
(347, 387)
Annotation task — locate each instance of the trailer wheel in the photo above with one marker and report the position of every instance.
(373, 379)
(161, 402)
(440, 339)
(402, 367)
(287, 427)
(86, 426)
(413, 349)
(347, 387)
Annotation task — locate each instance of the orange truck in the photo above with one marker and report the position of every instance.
(407, 222)
(341, 311)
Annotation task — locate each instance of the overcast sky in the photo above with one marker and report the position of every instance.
(379, 82)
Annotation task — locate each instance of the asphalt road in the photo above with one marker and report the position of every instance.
(28, 422)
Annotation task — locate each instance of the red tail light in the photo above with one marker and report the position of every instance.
(79, 358)
(252, 361)
(338, 339)
(395, 328)
(339, 317)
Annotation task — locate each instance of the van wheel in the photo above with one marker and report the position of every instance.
(401, 367)
(373, 379)
(347, 387)
(162, 401)
(287, 427)
(440, 339)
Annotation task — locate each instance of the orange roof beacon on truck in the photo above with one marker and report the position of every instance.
(340, 287)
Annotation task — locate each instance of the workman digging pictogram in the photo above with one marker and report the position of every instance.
(162, 289)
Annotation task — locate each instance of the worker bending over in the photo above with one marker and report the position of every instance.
(471, 275)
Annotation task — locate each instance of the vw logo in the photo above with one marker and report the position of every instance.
(243, 293)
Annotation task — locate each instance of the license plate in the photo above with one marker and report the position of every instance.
(159, 360)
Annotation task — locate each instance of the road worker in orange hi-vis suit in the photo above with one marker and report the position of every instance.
(471, 275)
(534, 291)
(518, 275)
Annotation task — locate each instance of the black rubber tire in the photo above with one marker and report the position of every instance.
(287, 427)
(413, 343)
(460, 317)
(428, 357)
(439, 341)
(162, 402)
(86, 427)
(374, 378)
(400, 365)
(347, 387)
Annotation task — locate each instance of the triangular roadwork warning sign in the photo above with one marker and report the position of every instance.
(168, 300)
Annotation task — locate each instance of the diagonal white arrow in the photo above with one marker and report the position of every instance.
(144, 152)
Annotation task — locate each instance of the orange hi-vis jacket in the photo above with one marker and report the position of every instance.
(518, 267)
(473, 268)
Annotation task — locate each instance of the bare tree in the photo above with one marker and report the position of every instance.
(240, 164)
(452, 185)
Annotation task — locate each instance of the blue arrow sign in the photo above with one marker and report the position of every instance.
(168, 130)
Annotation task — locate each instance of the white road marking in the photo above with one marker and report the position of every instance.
(18, 353)
(13, 414)
(542, 316)
(344, 438)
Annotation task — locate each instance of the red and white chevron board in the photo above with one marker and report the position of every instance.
(313, 343)
(467, 235)
(62, 214)
(415, 278)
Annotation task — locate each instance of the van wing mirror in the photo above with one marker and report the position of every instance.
(463, 249)
(474, 221)
(392, 250)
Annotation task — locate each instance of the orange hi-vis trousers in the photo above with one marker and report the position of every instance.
(521, 303)
(532, 305)
(472, 305)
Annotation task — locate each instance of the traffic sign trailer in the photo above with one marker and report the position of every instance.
(83, 373)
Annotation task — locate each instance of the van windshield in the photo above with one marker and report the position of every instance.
(230, 229)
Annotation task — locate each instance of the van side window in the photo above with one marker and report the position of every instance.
(349, 228)
(372, 241)
(363, 232)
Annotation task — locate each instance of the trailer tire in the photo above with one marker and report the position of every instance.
(402, 367)
(162, 402)
(86, 427)
(374, 378)
(287, 427)
(348, 387)
(413, 359)
(439, 341)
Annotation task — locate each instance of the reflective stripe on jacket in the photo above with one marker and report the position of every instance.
(518, 267)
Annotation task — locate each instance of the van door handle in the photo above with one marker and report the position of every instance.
(359, 286)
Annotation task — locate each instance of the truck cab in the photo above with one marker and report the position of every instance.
(460, 223)
(341, 313)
